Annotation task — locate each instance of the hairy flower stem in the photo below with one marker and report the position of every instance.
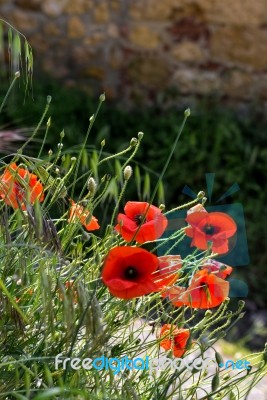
(20, 151)
(8, 92)
(118, 202)
(186, 205)
(186, 115)
(92, 120)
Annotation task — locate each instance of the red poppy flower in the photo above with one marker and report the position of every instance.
(18, 186)
(174, 339)
(196, 208)
(215, 227)
(128, 272)
(174, 294)
(167, 271)
(219, 269)
(205, 291)
(129, 223)
(77, 213)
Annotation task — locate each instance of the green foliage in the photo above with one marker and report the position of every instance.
(52, 299)
(20, 57)
(218, 141)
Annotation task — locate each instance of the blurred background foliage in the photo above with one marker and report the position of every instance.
(215, 140)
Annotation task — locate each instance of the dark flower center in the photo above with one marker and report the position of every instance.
(131, 273)
(138, 219)
(210, 230)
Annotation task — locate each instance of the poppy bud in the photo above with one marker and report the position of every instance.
(162, 207)
(140, 135)
(17, 74)
(127, 173)
(50, 152)
(48, 99)
(102, 97)
(91, 185)
(204, 199)
(62, 134)
(241, 304)
(187, 112)
(208, 313)
(92, 117)
(103, 142)
(48, 124)
(215, 382)
(219, 359)
(133, 142)
(200, 194)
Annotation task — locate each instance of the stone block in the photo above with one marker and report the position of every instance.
(53, 8)
(241, 46)
(187, 51)
(76, 28)
(144, 36)
(151, 72)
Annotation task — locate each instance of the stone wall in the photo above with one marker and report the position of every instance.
(139, 49)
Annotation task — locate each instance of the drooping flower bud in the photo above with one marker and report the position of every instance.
(91, 185)
(133, 142)
(127, 173)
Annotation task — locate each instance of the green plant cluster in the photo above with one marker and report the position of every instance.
(217, 140)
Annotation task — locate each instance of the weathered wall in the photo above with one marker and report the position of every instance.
(136, 49)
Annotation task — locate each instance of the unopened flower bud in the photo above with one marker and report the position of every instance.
(241, 304)
(127, 173)
(162, 207)
(200, 194)
(17, 74)
(103, 142)
(208, 313)
(187, 112)
(140, 135)
(102, 97)
(133, 142)
(48, 122)
(62, 134)
(92, 117)
(50, 152)
(60, 145)
(204, 200)
(48, 99)
(73, 159)
(91, 185)
(219, 359)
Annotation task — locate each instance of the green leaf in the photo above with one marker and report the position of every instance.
(138, 180)
(146, 189)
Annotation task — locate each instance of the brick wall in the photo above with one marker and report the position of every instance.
(136, 50)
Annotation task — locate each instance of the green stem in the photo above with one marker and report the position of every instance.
(186, 115)
(9, 90)
(92, 120)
